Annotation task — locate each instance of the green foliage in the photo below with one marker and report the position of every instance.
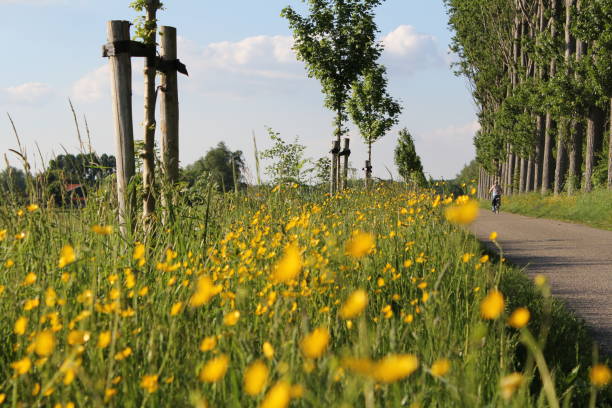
(408, 161)
(13, 183)
(337, 41)
(288, 161)
(370, 106)
(220, 165)
(468, 174)
(322, 169)
(145, 27)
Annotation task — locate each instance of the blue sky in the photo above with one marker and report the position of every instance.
(243, 77)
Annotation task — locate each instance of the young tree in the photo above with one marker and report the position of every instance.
(407, 160)
(146, 30)
(288, 162)
(337, 41)
(372, 109)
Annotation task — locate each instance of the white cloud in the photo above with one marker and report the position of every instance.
(29, 93)
(407, 51)
(94, 86)
(454, 132)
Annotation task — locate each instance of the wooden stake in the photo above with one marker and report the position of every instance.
(121, 91)
(346, 153)
(169, 107)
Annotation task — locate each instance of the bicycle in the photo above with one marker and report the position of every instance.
(496, 204)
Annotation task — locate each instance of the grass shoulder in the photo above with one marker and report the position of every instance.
(593, 209)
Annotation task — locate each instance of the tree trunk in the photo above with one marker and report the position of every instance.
(610, 151)
(576, 129)
(169, 107)
(539, 150)
(593, 145)
(529, 180)
(510, 173)
(549, 124)
(523, 175)
(516, 174)
(561, 164)
(148, 158)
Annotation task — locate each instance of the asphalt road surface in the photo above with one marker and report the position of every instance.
(576, 259)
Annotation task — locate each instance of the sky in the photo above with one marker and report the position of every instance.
(243, 79)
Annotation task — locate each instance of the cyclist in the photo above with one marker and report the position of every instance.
(496, 193)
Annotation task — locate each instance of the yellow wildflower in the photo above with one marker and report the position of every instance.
(205, 290)
(314, 344)
(440, 367)
(3, 234)
(208, 343)
(30, 279)
(360, 244)
(492, 306)
(289, 266)
(149, 383)
(104, 339)
(509, 384)
(102, 229)
(255, 378)
(600, 375)
(32, 207)
(231, 318)
(44, 343)
(176, 308)
(22, 366)
(78, 337)
(354, 305)
(67, 256)
(519, 318)
(20, 326)
(463, 213)
(395, 367)
(268, 350)
(214, 369)
(279, 396)
(493, 236)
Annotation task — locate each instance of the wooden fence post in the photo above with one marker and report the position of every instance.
(368, 174)
(346, 152)
(121, 91)
(333, 182)
(169, 106)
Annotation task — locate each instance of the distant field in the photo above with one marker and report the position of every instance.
(275, 297)
(593, 209)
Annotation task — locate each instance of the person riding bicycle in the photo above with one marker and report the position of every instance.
(496, 193)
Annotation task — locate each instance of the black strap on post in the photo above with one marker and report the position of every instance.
(336, 148)
(134, 48)
(345, 152)
(166, 66)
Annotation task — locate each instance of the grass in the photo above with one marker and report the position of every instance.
(126, 330)
(593, 209)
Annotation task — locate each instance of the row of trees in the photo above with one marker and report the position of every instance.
(540, 76)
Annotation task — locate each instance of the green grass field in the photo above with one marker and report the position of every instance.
(593, 209)
(241, 300)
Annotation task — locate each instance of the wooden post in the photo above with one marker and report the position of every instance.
(368, 174)
(333, 182)
(121, 92)
(346, 152)
(169, 107)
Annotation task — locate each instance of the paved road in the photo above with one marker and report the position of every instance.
(576, 259)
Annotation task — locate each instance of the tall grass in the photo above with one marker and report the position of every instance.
(126, 332)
